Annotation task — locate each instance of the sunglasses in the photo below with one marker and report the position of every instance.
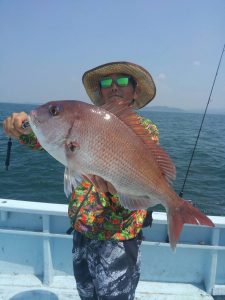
(120, 81)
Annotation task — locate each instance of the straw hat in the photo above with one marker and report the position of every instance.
(141, 76)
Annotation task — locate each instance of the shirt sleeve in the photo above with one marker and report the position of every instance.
(151, 127)
(31, 141)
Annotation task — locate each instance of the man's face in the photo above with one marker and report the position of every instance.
(116, 92)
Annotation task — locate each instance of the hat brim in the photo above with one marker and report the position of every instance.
(141, 76)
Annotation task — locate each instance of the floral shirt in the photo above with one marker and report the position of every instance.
(97, 215)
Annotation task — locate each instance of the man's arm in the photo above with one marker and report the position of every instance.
(13, 128)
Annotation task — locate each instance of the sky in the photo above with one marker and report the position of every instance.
(47, 45)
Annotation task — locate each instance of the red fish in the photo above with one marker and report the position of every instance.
(109, 141)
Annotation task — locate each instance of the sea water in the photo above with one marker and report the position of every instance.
(36, 176)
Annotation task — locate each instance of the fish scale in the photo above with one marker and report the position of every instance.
(114, 162)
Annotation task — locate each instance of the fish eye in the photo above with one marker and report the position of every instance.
(53, 110)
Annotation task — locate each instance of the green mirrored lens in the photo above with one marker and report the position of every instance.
(122, 81)
(106, 82)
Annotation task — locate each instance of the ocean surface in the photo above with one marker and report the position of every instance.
(36, 176)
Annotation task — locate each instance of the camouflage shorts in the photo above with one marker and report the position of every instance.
(106, 270)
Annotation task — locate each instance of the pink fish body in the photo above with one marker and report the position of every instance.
(109, 142)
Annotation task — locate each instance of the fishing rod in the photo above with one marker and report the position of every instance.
(9, 146)
(7, 160)
(203, 118)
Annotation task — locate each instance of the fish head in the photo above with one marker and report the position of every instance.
(52, 122)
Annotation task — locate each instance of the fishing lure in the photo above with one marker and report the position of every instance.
(25, 125)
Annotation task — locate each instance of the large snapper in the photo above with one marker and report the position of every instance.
(108, 141)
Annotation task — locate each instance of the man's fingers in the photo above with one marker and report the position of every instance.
(100, 184)
(18, 122)
(13, 125)
(19, 119)
(9, 128)
(91, 178)
(111, 188)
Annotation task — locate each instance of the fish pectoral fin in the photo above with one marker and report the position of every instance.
(71, 181)
(71, 178)
(134, 202)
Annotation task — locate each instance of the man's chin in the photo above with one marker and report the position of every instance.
(115, 98)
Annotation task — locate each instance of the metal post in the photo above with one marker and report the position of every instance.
(47, 254)
(211, 276)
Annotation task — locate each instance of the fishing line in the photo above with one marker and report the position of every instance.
(203, 118)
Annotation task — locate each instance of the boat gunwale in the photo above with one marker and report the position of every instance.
(62, 210)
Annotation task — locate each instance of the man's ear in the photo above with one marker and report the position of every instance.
(137, 92)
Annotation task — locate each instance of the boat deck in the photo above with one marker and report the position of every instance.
(36, 258)
(22, 287)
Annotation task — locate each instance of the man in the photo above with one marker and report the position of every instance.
(107, 237)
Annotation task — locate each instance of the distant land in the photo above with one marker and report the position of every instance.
(165, 108)
(179, 110)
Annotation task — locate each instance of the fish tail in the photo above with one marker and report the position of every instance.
(184, 213)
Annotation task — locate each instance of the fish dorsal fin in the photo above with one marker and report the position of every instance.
(126, 114)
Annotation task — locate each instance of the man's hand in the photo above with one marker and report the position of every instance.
(13, 125)
(101, 185)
